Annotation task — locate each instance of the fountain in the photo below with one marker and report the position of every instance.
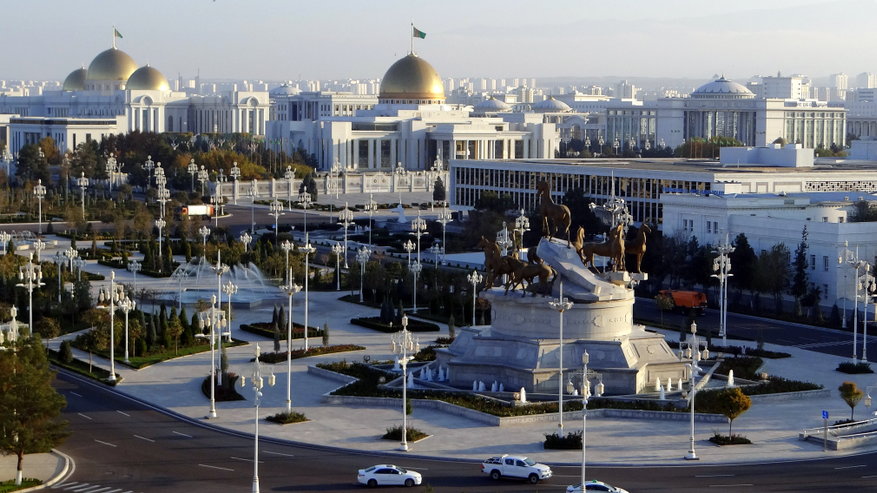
(199, 283)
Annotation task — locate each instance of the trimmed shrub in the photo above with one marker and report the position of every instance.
(572, 441)
(855, 368)
(286, 418)
(729, 440)
(411, 434)
(279, 356)
(375, 323)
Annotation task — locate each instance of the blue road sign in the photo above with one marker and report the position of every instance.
(824, 414)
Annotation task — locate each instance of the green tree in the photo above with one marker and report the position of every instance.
(664, 302)
(743, 260)
(732, 402)
(800, 281)
(47, 328)
(29, 405)
(772, 273)
(174, 331)
(439, 193)
(851, 394)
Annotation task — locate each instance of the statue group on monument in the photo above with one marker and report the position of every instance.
(556, 222)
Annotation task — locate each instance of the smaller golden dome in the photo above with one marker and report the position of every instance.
(147, 78)
(414, 79)
(75, 81)
(112, 64)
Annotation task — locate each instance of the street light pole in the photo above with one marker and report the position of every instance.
(444, 218)
(204, 231)
(586, 395)
(254, 192)
(229, 289)
(290, 288)
(39, 190)
(693, 350)
(474, 279)
(522, 225)
(409, 247)
(307, 249)
(722, 269)
(276, 210)
(287, 246)
(111, 297)
(852, 259)
(235, 174)
(134, 267)
(160, 223)
(126, 304)
(370, 207)
(338, 249)
(258, 383)
(345, 218)
(59, 259)
(214, 319)
(82, 181)
(362, 257)
(560, 304)
(192, 168)
(31, 276)
(416, 268)
(290, 176)
(178, 276)
(403, 344)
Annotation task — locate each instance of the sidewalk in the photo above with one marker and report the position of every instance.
(773, 426)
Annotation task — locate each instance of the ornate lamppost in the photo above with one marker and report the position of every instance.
(276, 210)
(370, 207)
(112, 297)
(203, 177)
(229, 289)
(522, 225)
(214, 320)
(148, 166)
(39, 245)
(204, 231)
(474, 279)
(134, 267)
(307, 249)
(409, 247)
(560, 304)
(586, 395)
(289, 175)
(126, 304)
(444, 218)
(179, 275)
(345, 218)
(306, 201)
(338, 249)
(246, 239)
(258, 383)
(192, 168)
(39, 191)
(235, 174)
(692, 349)
(111, 168)
(59, 259)
(362, 256)
(418, 226)
(30, 276)
(254, 192)
(851, 258)
(435, 250)
(405, 346)
(162, 196)
(722, 269)
(290, 289)
(160, 223)
(82, 182)
(5, 238)
(287, 246)
(334, 173)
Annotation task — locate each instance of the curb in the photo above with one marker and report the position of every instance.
(65, 467)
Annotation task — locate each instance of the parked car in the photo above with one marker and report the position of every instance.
(594, 486)
(388, 475)
(515, 466)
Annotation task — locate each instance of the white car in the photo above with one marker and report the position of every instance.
(594, 486)
(515, 466)
(388, 475)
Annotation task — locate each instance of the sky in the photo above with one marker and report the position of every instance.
(277, 40)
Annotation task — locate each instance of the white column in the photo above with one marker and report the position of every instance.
(393, 143)
(371, 153)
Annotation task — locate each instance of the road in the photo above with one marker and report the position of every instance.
(122, 445)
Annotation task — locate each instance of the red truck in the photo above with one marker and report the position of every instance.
(685, 301)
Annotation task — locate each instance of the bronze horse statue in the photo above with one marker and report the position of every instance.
(556, 218)
(613, 248)
(523, 271)
(495, 264)
(638, 246)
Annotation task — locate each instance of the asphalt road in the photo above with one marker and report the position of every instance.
(121, 444)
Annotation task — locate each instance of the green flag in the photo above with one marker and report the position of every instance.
(417, 33)
(117, 34)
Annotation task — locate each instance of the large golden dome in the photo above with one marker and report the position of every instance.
(412, 79)
(112, 64)
(75, 81)
(147, 78)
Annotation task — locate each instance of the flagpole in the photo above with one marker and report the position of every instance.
(411, 38)
(114, 37)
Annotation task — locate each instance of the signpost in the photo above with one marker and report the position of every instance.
(824, 430)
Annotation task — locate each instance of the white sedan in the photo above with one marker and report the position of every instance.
(594, 486)
(388, 475)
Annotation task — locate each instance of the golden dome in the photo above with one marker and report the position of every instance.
(112, 64)
(412, 78)
(75, 81)
(147, 78)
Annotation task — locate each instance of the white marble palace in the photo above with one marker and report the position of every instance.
(114, 96)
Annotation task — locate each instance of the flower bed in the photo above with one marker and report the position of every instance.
(276, 357)
(375, 323)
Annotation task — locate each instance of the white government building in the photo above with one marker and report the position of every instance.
(114, 96)
(768, 193)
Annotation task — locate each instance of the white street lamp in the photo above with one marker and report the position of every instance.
(39, 191)
(70, 254)
(560, 304)
(235, 174)
(258, 383)
(586, 395)
(148, 166)
(692, 349)
(203, 177)
(112, 297)
(345, 218)
(5, 238)
(409, 247)
(204, 231)
(229, 289)
(179, 275)
(306, 201)
(362, 257)
(31, 276)
(134, 267)
(192, 168)
(404, 345)
(126, 304)
(370, 207)
(216, 200)
(111, 168)
(290, 176)
(338, 249)
(722, 269)
(162, 196)
(474, 279)
(334, 172)
(59, 259)
(246, 239)
(78, 263)
(276, 210)
(287, 246)
(214, 320)
(435, 250)
(416, 268)
(307, 249)
(219, 269)
(39, 245)
(160, 223)
(254, 192)
(444, 218)
(522, 225)
(418, 226)
(82, 182)
(290, 288)
(852, 259)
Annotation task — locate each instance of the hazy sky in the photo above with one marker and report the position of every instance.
(287, 39)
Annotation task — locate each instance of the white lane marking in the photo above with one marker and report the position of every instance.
(81, 487)
(872, 476)
(242, 459)
(144, 438)
(738, 485)
(123, 413)
(713, 475)
(86, 417)
(183, 434)
(849, 467)
(216, 467)
(106, 443)
(100, 489)
(74, 393)
(277, 453)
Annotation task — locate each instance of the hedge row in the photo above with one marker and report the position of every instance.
(375, 323)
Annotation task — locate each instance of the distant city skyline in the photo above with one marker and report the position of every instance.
(288, 40)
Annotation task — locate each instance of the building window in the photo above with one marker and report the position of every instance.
(825, 263)
(812, 262)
